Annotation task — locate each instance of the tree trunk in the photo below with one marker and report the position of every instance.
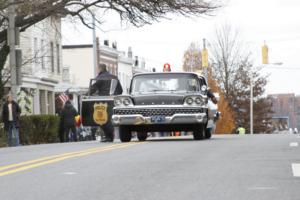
(4, 51)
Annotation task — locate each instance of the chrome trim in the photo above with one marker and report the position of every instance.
(175, 119)
(97, 98)
(122, 98)
(161, 106)
(203, 99)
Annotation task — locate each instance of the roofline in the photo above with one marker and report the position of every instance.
(77, 46)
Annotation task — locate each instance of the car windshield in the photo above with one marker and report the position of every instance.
(161, 83)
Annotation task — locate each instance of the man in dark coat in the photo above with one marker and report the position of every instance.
(68, 115)
(103, 84)
(10, 115)
(61, 130)
(106, 85)
(210, 94)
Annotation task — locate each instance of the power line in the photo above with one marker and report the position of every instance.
(284, 68)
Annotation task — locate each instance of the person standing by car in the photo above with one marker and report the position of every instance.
(10, 115)
(68, 118)
(209, 93)
(103, 84)
(211, 96)
(107, 84)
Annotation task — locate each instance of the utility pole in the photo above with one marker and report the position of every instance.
(205, 60)
(265, 62)
(12, 48)
(251, 101)
(95, 56)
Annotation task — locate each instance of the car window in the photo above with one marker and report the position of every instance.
(157, 83)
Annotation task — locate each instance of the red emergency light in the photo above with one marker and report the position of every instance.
(167, 67)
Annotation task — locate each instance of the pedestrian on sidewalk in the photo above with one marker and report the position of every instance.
(241, 130)
(11, 112)
(68, 118)
(61, 131)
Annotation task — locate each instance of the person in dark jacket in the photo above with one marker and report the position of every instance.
(68, 115)
(210, 94)
(103, 85)
(10, 115)
(106, 85)
(61, 131)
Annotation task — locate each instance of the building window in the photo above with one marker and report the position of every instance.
(52, 56)
(42, 54)
(58, 58)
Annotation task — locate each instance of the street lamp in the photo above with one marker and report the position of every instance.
(251, 94)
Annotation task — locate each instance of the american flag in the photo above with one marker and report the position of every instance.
(63, 97)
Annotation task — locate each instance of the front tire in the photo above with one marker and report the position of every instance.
(208, 133)
(125, 134)
(142, 136)
(199, 133)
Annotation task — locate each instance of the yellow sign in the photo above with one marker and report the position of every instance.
(100, 113)
(265, 56)
(204, 58)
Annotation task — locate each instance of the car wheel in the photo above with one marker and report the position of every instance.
(142, 136)
(199, 133)
(208, 133)
(125, 134)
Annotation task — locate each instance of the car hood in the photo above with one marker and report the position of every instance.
(159, 99)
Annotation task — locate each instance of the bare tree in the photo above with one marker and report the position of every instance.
(192, 60)
(227, 54)
(231, 66)
(137, 12)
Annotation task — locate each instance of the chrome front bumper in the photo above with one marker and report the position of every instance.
(197, 118)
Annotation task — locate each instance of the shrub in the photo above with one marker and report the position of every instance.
(35, 129)
(39, 129)
(3, 138)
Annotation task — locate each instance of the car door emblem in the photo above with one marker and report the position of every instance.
(100, 115)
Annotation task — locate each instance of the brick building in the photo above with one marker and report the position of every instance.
(286, 108)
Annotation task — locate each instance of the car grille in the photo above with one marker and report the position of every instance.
(147, 112)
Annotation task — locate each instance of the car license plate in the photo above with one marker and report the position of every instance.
(158, 119)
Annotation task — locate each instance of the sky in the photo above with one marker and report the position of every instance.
(275, 21)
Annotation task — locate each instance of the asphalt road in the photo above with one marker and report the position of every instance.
(224, 168)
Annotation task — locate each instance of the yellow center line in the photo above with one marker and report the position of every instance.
(51, 157)
(3, 168)
(58, 159)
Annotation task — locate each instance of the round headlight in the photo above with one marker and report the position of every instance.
(189, 101)
(126, 102)
(203, 88)
(198, 100)
(118, 102)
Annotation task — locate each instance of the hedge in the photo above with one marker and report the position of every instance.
(36, 129)
(3, 138)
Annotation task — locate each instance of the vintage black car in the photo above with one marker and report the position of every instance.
(162, 102)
